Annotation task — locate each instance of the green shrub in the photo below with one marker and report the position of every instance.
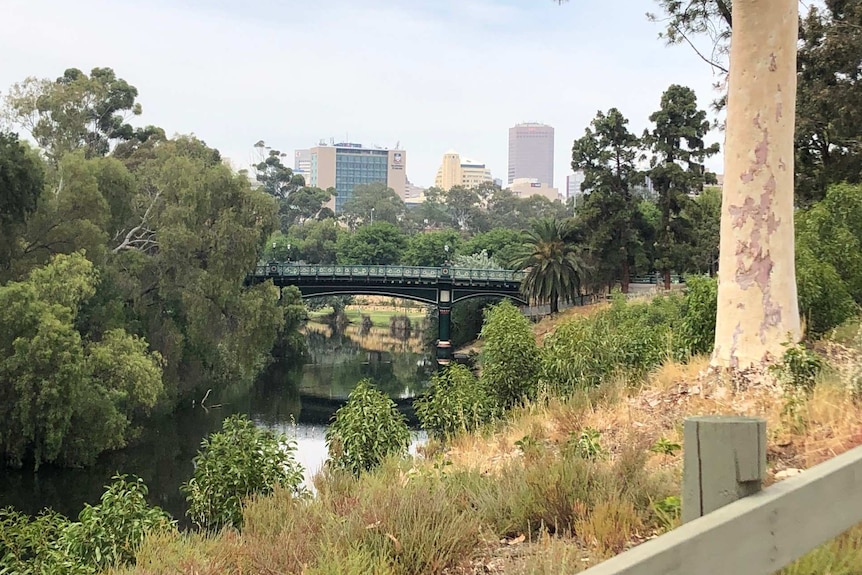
(109, 533)
(455, 402)
(240, 461)
(510, 357)
(629, 339)
(799, 367)
(832, 230)
(697, 329)
(105, 535)
(365, 430)
(30, 545)
(824, 300)
(668, 511)
(586, 445)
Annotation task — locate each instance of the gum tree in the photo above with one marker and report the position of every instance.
(757, 303)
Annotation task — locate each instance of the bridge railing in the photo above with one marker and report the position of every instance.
(390, 271)
(656, 279)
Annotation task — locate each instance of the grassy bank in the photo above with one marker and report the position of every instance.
(558, 486)
(380, 317)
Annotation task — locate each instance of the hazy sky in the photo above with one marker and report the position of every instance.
(434, 74)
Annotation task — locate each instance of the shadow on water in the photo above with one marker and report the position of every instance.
(298, 400)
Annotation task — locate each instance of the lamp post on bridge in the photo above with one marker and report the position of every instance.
(444, 311)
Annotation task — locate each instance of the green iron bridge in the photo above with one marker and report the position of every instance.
(438, 286)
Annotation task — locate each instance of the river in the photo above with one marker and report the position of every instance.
(298, 401)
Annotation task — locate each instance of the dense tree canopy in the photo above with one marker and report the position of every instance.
(829, 82)
(429, 249)
(372, 203)
(677, 171)
(380, 243)
(66, 396)
(609, 219)
(151, 238)
(21, 183)
(75, 111)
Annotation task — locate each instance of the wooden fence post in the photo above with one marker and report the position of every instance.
(724, 459)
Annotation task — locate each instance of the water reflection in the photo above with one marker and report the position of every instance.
(298, 400)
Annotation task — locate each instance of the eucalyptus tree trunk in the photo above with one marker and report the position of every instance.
(757, 306)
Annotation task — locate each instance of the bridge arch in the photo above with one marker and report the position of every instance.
(441, 286)
(517, 298)
(359, 291)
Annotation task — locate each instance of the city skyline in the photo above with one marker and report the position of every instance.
(372, 71)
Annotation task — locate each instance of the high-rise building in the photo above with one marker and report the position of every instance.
(531, 152)
(344, 166)
(302, 161)
(526, 187)
(457, 172)
(413, 194)
(302, 164)
(573, 184)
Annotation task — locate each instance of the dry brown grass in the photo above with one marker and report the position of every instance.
(824, 425)
(556, 512)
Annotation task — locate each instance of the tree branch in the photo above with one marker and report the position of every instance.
(698, 52)
(140, 237)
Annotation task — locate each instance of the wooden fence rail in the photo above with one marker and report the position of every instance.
(760, 533)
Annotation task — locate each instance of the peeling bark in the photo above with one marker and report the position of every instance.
(757, 305)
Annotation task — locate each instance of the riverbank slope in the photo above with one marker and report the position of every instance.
(558, 487)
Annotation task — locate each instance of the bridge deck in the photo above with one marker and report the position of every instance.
(362, 272)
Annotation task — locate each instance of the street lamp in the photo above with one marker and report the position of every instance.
(372, 215)
(446, 248)
(288, 253)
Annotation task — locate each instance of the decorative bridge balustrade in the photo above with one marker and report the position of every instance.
(386, 272)
(438, 286)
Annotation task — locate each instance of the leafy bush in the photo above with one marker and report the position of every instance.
(824, 299)
(29, 545)
(109, 533)
(697, 329)
(365, 430)
(456, 401)
(628, 339)
(240, 461)
(586, 444)
(832, 230)
(105, 535)
(799, 367)
(510, 357)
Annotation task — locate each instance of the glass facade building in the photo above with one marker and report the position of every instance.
(344, 166)
(355, 167)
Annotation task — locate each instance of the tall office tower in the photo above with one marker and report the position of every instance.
(302, 161)
(454, 171)
(344, 166)
(531, 153)
(302, 164)
(573, 184)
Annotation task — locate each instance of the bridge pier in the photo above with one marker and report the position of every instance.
(444, 319)
(444, 329)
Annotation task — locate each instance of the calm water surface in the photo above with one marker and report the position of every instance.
(298, 402)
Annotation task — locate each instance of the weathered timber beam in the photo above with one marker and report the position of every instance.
(759, 534)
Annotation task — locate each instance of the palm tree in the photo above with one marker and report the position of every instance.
(554, 267)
